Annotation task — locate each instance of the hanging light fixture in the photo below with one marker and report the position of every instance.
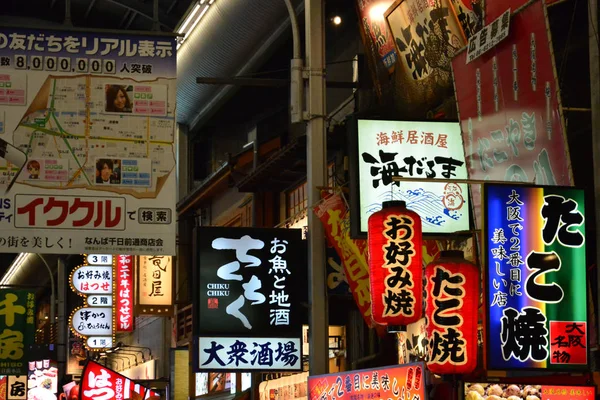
(395, 265)
(452, 287)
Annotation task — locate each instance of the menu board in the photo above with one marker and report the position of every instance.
(499, 391)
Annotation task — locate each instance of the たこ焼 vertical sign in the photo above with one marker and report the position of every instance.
(536, 277)
(249, 284)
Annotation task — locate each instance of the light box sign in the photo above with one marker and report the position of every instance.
(124, 293)
(250, 281)
(93, 279)
(246, 354)
(100, 382)
(17, 387)
(398, 382)
(17, 330)
(424, 150)
(478, 391)
(535, 264)
(155, 285)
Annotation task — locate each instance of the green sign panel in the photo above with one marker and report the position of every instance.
(17, 330)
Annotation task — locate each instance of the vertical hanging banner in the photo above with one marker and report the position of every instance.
(155, 285)
(87, 124)
(335, 217)
(124, 293)
(535, 264)
(99, 382)
(17, 330)
(510, 110)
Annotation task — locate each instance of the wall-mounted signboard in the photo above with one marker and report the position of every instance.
(535, 265)
(425, 150)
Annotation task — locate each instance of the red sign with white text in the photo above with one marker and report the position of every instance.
(399, 382)
(124, 306)
(509, 108)
(101, 383)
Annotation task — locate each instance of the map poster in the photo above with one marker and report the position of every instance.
(87, 125)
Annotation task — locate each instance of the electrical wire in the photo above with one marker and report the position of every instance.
(563, 60)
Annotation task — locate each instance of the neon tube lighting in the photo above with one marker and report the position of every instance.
(13, 268)
(197, 20)
(189, 18)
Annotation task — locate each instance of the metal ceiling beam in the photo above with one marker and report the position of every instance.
(89, 9)
(173, 4)
(145, 11)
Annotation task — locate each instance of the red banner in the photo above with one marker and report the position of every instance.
(510, 110)
(398, 382)
(124, 306)
(101, 383)
(3, 385)
(335, 217)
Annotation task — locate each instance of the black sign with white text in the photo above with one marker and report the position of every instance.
(250, 282)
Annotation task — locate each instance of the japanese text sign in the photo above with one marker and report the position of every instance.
(536, 277)
(155, 285)
(101, 383)
(257, 354)
(17, 328)
(373, 23)
(398, 382)
(488, 37)
(250, 282)
(473, 391)
(334, 216)
(509, 108)
(426, 150)
(124, 293)
(470, 15)
(63, 96)
(427, 35)
(17, 387)
(93, 280)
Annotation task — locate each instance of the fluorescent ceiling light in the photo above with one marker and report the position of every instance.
(198, 18)
(189, 18)
(13, 268)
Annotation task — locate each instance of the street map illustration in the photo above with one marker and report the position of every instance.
(68, 136)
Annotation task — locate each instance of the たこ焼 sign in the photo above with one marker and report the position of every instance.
(250, 283)
(536, 277)
(424, 150)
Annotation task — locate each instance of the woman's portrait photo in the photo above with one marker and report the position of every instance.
(117, 99)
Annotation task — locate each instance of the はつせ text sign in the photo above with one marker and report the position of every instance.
(536, 277)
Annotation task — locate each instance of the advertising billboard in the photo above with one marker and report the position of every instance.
(399, 381)
(426, 150)
(250, 283)
(535, 265)
(509, 108)
(87, 124)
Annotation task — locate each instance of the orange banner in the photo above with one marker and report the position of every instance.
(400, 382)
(335, 217)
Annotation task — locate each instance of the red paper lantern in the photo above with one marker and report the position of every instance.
(395, 264)
(452, 286)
